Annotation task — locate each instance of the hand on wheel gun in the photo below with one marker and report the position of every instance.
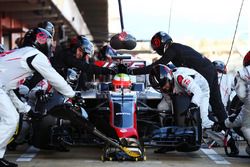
(77, 99)
(192, 108)
(189, 113)
(42, 95)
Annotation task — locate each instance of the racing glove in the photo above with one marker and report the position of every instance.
(192, 107)
(189, 113)
(190, 110)
(42, 96)
(77, 99)
(219, 126)
(232, 117)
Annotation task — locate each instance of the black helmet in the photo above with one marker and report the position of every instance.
(82, 42)
(1, 48)
(159, 41)
(220, 66)
(47, 25)
(246, 60)
(38, 38)
(106, 52)
(160, 75)
(72, 76)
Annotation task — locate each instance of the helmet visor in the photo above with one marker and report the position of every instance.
(87, 47)
(155, 43)
(165, 76)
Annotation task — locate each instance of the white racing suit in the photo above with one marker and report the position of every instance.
(190, 81)
(242, 89)
(226, 82)
(15, 66)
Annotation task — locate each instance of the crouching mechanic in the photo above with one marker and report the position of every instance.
(242, 88)
(183, 80)
(166, 102)
(15, 66)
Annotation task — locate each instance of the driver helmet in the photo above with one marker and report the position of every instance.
(160, 75)
(106, 53)
(121, 81)
(40, 39)
(47, 25)
(160, 41)
(246, 60)
(220, 66)
(81, 41)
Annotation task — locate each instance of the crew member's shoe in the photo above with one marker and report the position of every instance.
(234, 149)
(5, 163)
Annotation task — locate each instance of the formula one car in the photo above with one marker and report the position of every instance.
(127, 112)
(120, 115)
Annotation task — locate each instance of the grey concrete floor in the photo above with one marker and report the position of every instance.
(27, 156)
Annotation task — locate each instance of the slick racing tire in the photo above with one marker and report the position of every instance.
(41, 136)
(180, 105)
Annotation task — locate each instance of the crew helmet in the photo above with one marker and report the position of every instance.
(40, 39)
(159, 76)
(159, 42)
(81, 41)
(72, 76)
(246, 60)
(220, 66)
(47, 25)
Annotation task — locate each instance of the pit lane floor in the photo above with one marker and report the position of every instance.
(28, 156)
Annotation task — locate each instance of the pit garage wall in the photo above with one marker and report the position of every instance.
(10, 30)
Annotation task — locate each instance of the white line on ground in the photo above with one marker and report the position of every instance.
(215, 157)
(28, 155)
